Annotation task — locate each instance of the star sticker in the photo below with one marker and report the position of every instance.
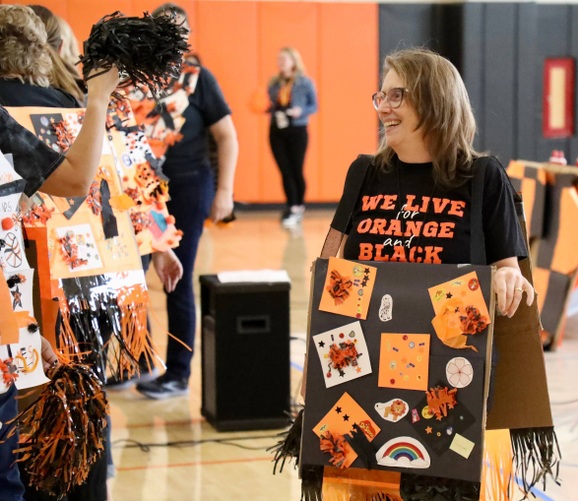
(429, 430)
(358, 369)
(345, 417)
(367, 271)
(321, 344)
(338, 410)
(17, 295)
(364, 282)
(449, 295)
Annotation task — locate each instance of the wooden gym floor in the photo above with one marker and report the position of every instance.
(182, 457)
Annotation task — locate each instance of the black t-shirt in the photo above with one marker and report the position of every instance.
(207, 106)
(16, 93)
(403, 216)
(33, 159)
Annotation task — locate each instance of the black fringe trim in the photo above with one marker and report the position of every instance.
(289, 447)
(311, 483)
(426, 488)
(536, 456)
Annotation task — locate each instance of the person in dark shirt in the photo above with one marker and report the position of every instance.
(41, 167)
(415, 201)
(199, 110)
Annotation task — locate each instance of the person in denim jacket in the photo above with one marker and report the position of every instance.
(293, 100)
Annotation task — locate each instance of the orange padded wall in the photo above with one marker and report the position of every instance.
(239, 40)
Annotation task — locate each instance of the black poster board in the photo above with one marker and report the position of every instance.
(412, 312)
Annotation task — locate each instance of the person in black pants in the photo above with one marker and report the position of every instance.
(293, 101)
(199, 108)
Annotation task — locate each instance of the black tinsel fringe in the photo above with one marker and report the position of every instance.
(536, 456)
(426, 488)
(311, 483)
(147, 50)
(289, 447)
(62, 432)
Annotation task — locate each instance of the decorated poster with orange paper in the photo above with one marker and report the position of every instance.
(348, 288)
(404, 361)
(87, 240)
(341, 420)
(460, 310)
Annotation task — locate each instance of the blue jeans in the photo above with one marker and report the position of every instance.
(192, 194)
(11, 487)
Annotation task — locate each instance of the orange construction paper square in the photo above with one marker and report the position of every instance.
(404, 361)
(348, 287)
(340, 420)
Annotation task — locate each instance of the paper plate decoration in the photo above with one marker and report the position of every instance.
(393, 410)
(348, 288)
(404, 361)
(403, 452)
(459, 372)
(343, 354)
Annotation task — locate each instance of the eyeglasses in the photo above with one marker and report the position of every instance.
(394, 97)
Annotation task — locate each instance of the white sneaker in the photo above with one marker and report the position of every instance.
(294, 217)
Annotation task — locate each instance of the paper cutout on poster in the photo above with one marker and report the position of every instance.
(462, 446)
(403, 452)
(404, 361)
(343, 354)
(348, 288)
(393, 410)
(78, 247)
(339, 421)
(460, 310)
(386, 308)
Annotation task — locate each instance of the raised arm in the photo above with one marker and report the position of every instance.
(77, 171)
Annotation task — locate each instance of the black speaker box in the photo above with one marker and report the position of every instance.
(245, 354)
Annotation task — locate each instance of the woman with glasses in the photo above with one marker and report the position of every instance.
(415, 200)
(293, 100)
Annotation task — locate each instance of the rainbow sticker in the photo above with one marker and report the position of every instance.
(403, 452)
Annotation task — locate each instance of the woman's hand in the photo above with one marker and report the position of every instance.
(49, 358)
(222, 205)
(102, 83)
(294, 112)
(510, 286)
(168, 268)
